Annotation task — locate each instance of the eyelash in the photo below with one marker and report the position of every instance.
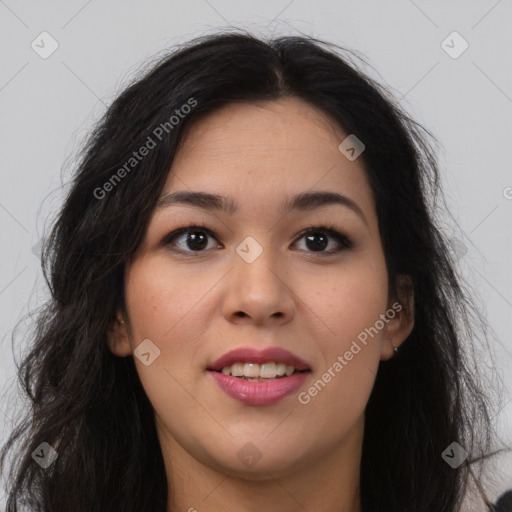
(326, 229)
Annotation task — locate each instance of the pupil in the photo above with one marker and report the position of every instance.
(195, 238)
(316, 246)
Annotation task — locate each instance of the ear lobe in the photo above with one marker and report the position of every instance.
(401, 324)
(117, 337)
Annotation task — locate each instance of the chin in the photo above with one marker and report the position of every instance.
(252, 463)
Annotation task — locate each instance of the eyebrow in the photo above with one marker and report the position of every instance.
(305, 201)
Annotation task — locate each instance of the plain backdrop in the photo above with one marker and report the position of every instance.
(458, 85)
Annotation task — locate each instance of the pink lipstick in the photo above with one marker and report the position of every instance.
(237, 373)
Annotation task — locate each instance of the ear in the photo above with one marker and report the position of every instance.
(400, 313)
(118, 340)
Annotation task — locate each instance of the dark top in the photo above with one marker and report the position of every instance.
(504, 503)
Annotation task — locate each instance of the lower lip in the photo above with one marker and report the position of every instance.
(259, 392)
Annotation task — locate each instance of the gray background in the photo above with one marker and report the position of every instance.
(48, 105)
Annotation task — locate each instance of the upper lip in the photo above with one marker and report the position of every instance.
(252, 355)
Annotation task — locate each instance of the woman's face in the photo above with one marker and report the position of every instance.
(264, 277)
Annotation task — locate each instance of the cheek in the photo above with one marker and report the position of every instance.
(161, 309)
(349, 303)
(344, 379)
(160, 296)
(166, 304)
(349, 300)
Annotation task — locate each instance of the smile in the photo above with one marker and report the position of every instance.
(259, 377)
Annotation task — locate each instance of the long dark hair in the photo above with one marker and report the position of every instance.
(89, 405)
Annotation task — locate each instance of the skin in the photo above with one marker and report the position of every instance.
(195, 309)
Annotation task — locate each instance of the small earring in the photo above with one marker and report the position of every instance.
(395, 349)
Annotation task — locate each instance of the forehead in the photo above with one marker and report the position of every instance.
(251, 127)
(259, 151)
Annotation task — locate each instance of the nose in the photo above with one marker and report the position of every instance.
(258, 293)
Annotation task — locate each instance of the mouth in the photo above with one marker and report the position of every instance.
(254, 372)
(259, 377)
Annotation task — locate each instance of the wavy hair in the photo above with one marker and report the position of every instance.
(90, 406)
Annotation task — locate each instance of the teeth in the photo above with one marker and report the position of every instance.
(268, 370)
(237, 370)
(280, 369)
(253, 371)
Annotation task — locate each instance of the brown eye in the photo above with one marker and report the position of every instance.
(196, 239)
(318, 239)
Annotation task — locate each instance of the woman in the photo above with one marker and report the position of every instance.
(252, 306)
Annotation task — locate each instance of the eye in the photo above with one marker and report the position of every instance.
(196, 239)
(317, 239)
